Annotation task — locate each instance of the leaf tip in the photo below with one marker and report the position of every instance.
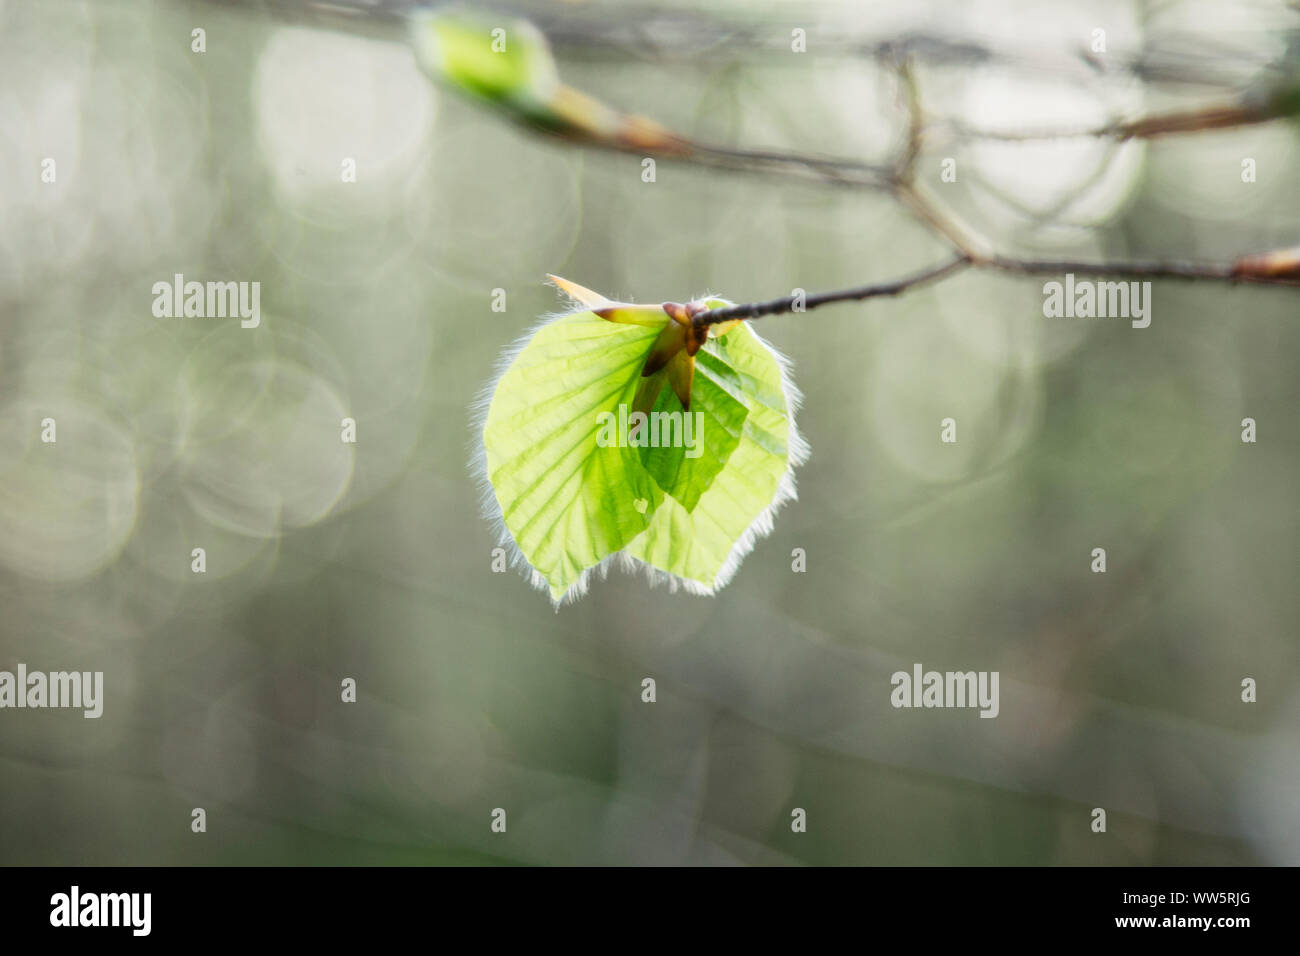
(578, 293)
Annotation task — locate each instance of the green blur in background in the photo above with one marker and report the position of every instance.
(327, 560)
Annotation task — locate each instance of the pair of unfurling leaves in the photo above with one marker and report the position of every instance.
(570, 501)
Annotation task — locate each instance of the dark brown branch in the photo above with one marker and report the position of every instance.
(573, 116)
(1279, 267)
(1249, 269)
(1259, 270)
(789, 303)
(1127, 270)
(898, 53)
(1146, 127)
(829, 170)
(677, 33)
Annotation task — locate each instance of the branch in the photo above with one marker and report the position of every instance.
(826, 169)
(678, 33)
(1126, 270)
(1280, 268)
(538, 100)
(1228, 116)
(791, 303)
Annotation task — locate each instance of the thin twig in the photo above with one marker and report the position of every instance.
(653, 31)
(971, 246)
(973, 250)
(791, 303)
(1212, 272)
(909, 99)
(1227, 116)
(830, 170)
(582, 119)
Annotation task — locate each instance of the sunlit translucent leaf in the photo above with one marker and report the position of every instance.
(717, 416)
(691, 507)
(703, 547)
(567, 502)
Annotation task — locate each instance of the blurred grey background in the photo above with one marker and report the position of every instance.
(327, 560)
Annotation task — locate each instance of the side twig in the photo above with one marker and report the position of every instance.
(792, 303)
(1275, 269)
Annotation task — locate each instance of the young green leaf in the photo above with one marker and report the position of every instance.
(685, 450)
(508, 64)
(701, 548)
(505, 62)
(566, 501)
(590, 455)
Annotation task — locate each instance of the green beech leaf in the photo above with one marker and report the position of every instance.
(702, 548)
(566, 501)
(575, 484)
(684, 462)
